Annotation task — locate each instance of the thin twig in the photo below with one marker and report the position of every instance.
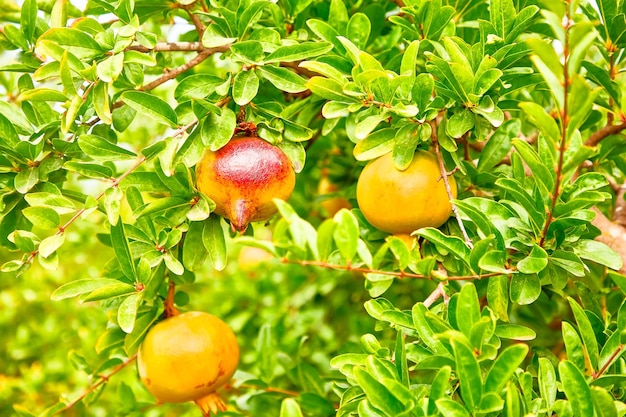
(565, 121)
(435, 295)
(608, 363)
(397, 274)
(102, 379)
(444, 176)
(174, 47)
(178, 70)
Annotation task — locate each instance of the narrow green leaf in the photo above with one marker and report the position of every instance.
(452, 244)
(504, 367)
(547, 381)
(377, 393)
(101, 149)
(586, 331)
(573, 345)
(79, 287)
(469, 374)
(122, 250)
(298, 52)
(515, 332)
(42, 94)
(438, 388)
(597, 252)
(283, 79)
(468, 309)
(346, 234)
(151, 106)
(214, 242)
(28, 19)
(26, 179)
(328, 89)
(194, 252)
(604, 402)
(576, 389)
(127, 312)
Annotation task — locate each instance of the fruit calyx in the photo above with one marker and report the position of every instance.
(243, 177)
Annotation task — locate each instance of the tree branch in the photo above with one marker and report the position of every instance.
(102, 379)
(178, 70)
(397, 274)
(606, 131)
(174, 47)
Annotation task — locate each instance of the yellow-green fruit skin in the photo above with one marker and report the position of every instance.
(403, 201)
(188, 356)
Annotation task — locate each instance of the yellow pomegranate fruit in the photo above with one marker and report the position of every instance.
(333, 204)
(187, 357)
(400, 202)
(243, 178)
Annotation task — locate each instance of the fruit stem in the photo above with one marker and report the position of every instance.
(211, 403)
(170, 309)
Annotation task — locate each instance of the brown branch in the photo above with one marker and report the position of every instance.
(606, 131)
(565, 118)
(102, 379)
(608, 363)
(172, 47)
(435, 295)
(170, 308)
(266, 389)
(396, 274)
(178, 70)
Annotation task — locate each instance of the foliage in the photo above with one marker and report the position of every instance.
(511, 308)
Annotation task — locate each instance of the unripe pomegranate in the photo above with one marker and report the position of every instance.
(243, 178)
(187, 357)
(400, 202)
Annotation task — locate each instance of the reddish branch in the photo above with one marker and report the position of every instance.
(605, 132)
(178, 70)
(565, 118)
(397, 274)
(102, 379)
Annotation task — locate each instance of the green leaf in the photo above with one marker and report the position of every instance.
(469, 374)
(498, 296)
(26, 179)
(460, 123)
(127, 312)
(290, 408)
(117, 289)
(586, 331)
(50, 244)
(498, 145)
(358, 30)
(576, 389)
(603, 402)
(142, 325)
(245, 87)
(122, 250)
(378, 394)
(42, 217)
(194, 252)
(468, 309)
(539, 117)
(545, 174)
(547, 381)
(452, 244)
(283, 79)
(28, 19)
(196, 86)
(502, 15)
(535, 262)
(438, 388)
(525, 288)
(515, 332)
(504, 367)
(75, 41)
(375, 145)
(249, 16)
(102, 150)
(573, 345)
(217, 129)
(298, 52)
(42, 94)
(328, 89)
(151, 106)
(346, 234)
(214, 242)
(451, 408)
(79, 287)
(599, 252)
